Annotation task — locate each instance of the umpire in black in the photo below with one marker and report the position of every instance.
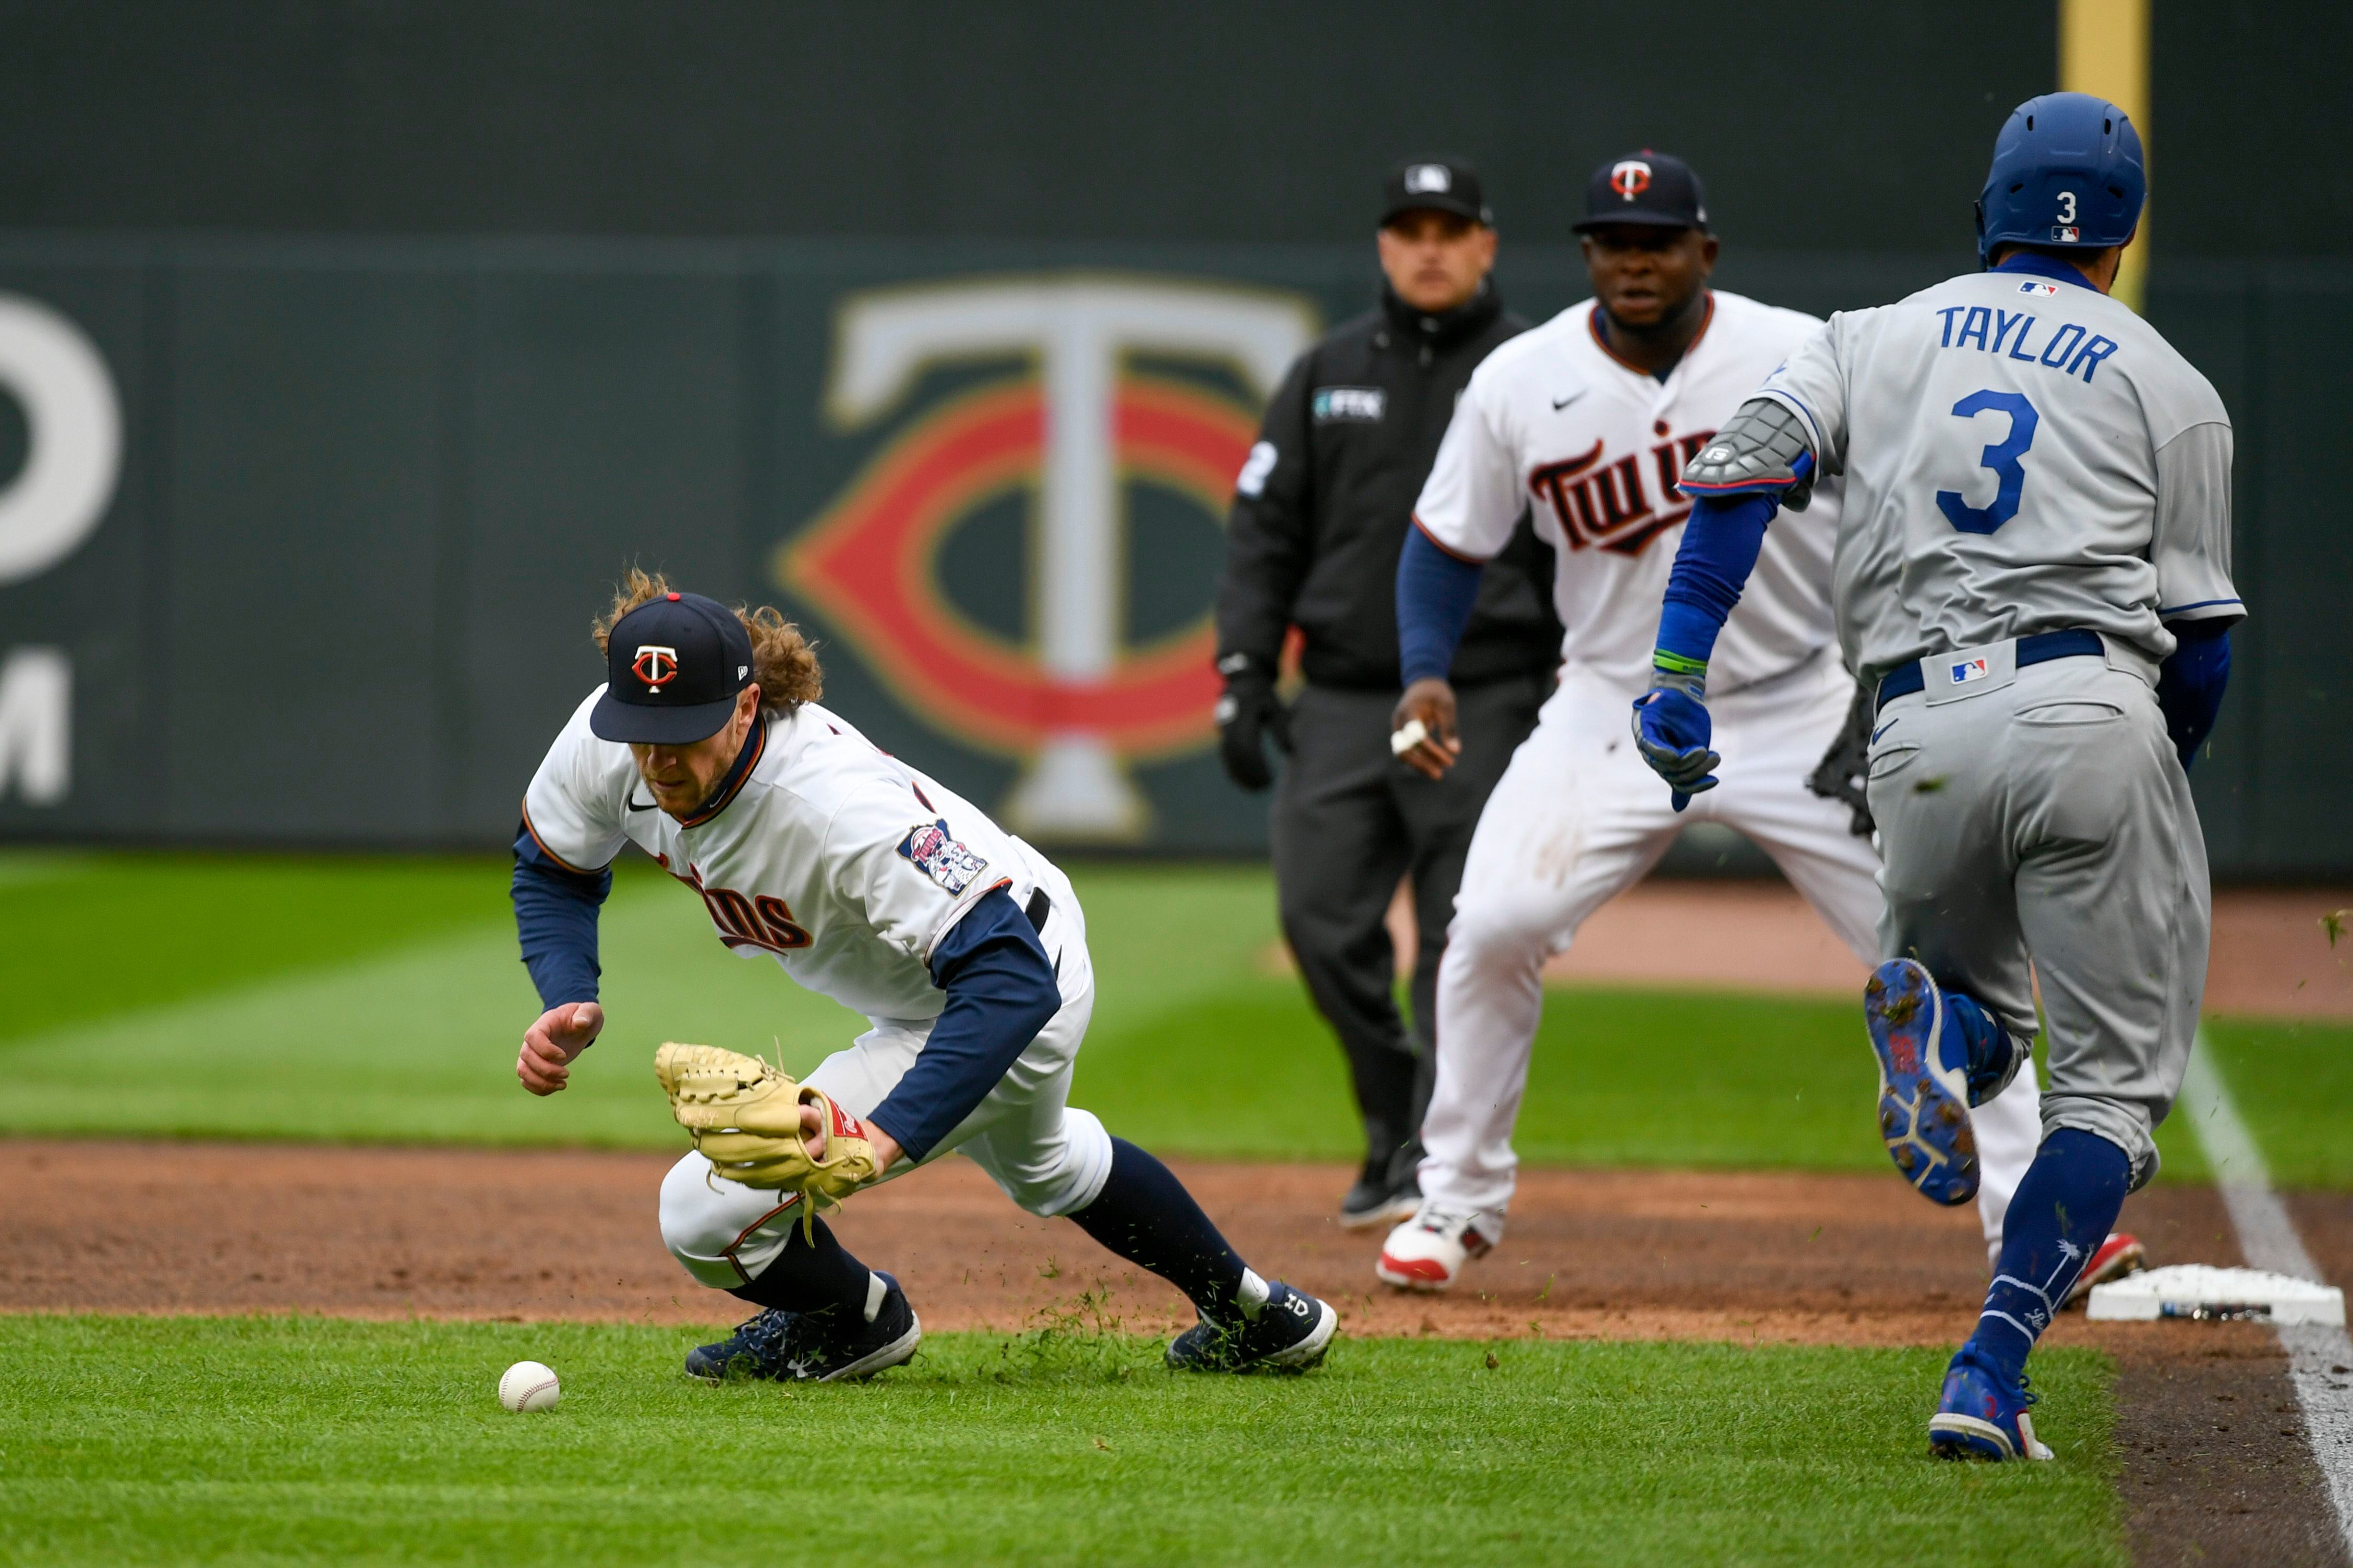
(1319, 518)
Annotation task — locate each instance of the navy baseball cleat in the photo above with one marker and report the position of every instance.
(1290, 1332)
(1924, 1104)
(830, 1346)
(1981, 1417)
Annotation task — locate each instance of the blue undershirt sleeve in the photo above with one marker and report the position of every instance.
(556, 917)
(2190, 684)
(1001, 991)
(1719, 551)
(1435, 593)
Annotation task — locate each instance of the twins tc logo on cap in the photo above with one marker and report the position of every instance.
(1424, 178)
(1629, 178)
(655, 665)
(1969, 669)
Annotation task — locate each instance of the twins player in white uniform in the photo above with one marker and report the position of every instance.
(1592, 417)
(2033, 566)
(868, 882)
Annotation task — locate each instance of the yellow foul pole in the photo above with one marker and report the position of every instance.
(2103, 49)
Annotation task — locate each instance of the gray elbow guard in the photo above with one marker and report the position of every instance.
(1761, 450)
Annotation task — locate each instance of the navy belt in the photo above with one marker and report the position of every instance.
(2041, 648)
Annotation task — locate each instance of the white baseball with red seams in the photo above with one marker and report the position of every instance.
(529, 1386)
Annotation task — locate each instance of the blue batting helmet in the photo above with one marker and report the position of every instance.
(2066, 171)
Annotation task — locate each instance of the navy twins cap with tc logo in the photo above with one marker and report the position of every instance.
(673, 668)
(1645, 187)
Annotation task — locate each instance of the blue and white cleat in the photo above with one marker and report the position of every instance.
(1979, 1419)
(838, 1344)
(1924, 1105)
(1289, 1331)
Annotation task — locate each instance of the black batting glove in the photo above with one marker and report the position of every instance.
(1249, 715)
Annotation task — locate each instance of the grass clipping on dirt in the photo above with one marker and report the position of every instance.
(292, 1439)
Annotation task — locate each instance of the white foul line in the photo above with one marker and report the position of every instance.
(2268, 1239)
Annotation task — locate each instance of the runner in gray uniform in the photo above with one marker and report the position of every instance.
(2034, 566)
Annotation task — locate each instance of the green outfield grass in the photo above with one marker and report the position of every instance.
(380, 999)
(287, 1440)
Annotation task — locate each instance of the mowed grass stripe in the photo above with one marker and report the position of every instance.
(85, 936)
(390, 1009)
(293, 1441)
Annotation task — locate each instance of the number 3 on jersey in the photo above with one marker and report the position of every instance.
(2001, 458)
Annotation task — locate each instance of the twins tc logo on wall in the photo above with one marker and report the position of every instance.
(1069, 429)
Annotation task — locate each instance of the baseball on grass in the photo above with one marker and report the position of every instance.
(527, 1386)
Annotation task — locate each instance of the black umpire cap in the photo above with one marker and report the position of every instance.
(673, 669)
(1435, 184)
(1645, 187)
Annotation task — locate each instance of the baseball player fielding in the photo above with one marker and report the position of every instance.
(869, 882)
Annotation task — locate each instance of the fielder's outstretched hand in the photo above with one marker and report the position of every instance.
(548, 1046)
(1671, 730)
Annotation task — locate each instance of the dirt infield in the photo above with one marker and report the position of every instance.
(2215, 1470)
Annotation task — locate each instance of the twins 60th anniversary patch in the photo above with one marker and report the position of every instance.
(932, 850)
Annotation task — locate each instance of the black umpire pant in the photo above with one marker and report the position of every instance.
(1349, 820)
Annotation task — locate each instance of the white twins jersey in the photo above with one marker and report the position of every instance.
(2022, 455)
(1553, 417)
(842, 863)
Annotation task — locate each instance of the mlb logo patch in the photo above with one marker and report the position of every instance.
(930, 850)
(2066, 234)
(2040, 291)
(1969, 669)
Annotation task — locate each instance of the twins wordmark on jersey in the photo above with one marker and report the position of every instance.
(1622, 503)
(759, 921)
(1554, 422)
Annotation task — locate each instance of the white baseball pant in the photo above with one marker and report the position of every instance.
(1048, 1156)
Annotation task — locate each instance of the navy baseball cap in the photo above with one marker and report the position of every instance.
(674, 666)
(1645, 187)
(1434, 184)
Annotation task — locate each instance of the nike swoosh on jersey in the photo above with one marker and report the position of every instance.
(1884, 729)
(1561, 402)
(632, 803)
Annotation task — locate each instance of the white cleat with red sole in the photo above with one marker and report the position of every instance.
(2119, 1256)
(1427, 1251)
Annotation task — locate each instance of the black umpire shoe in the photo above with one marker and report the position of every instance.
(1290, 1332)
(1382, 1196)
(830, 1346)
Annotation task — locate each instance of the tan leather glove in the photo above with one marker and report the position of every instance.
(744, 1116)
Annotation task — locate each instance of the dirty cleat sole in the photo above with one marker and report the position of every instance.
(1924, 1107)
(1956, 1437)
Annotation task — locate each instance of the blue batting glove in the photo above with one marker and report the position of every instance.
(1671, 730)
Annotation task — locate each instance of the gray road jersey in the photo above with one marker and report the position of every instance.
(2022, 455)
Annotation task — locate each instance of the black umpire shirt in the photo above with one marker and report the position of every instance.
(1322, 507)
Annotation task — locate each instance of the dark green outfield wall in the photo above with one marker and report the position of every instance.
(423, 318)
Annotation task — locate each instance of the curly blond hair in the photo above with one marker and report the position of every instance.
(784, 661)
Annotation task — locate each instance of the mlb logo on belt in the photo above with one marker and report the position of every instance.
(1969, 669)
